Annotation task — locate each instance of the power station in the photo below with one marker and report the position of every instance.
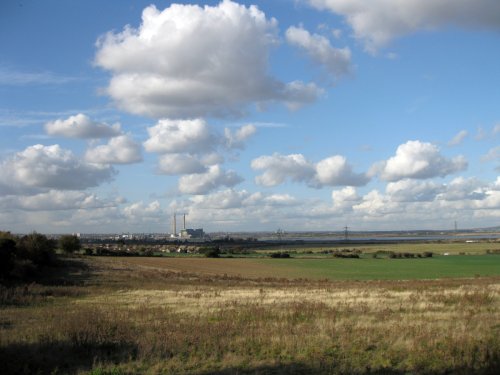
(185, 233)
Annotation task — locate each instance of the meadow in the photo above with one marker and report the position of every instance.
(365, 268)
(111, 315)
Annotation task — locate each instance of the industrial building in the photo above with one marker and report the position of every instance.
(185, 233)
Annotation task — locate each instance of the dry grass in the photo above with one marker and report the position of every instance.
(132, 319)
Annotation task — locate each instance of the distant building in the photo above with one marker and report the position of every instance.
(192, 233)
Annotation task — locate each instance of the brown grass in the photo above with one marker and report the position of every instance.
(136, 319)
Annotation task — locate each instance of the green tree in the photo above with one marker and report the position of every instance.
(69, 244)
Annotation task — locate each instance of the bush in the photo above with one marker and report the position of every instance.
(280, 255)
(210, 251)
(37, 248)
(7, 254)
(348, 255)
(69, 244)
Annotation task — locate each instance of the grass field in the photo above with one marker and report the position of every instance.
(109, 315)
(333, 269)
(452, 248)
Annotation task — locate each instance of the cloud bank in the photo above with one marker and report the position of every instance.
(377, 22)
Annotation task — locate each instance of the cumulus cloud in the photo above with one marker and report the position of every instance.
(203, 183)
(81, 126)
(190, 146)
(332, 171)
(418, 160)
(345, 198)
(119, 150)
(142, 211)
(296, 94)
(413, 190)
(177, 136)
(190, 61)
(378, 22)
(461, 188)
(458, 138)
(175, 164)
(236, 139)
(277, 168)
(50, 167)
(335, 171)
(337, 61)
(224, 199)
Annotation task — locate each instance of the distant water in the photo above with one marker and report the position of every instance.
(465, 237)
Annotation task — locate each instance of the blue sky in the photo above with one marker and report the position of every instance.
(251, 115)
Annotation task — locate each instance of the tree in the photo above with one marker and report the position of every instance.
(7, 253)
(37, 248)
(69, 244)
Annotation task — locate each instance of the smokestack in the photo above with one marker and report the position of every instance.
(175, 226)
(184, 221)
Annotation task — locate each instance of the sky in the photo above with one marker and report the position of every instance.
(249, 116)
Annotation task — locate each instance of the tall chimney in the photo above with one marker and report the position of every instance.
(184, 221)
(175, 226)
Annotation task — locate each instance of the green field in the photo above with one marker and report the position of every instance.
(454, 248)
(332, 268)
(388, 269)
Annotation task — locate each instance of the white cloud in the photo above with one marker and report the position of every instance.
(280, 200)
(54, 200)
(277, 168)
(376, 204)
(189, 146)
(81, 126)
(143, 212)
(378, 22)
(203, 183)
(190, 61)
(237, 139)
(174, 164)
(419, 160)
(50, 167)
(345, 198)
(492, 154)
(332, 171)
(296, 94)
(335, 171)
(119, 150)
(337, 61)
(413, 191)
(460, 189)
(458, 138)
(178, 136)
(225, 199)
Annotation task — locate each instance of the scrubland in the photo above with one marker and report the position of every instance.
(117, 316)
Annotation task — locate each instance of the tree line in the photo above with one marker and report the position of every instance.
(22, 257)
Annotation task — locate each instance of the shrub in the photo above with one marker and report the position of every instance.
(7, 253)
(37, 248)
(280, 255)
(349, 255)
(210, 251)
(69, 244)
